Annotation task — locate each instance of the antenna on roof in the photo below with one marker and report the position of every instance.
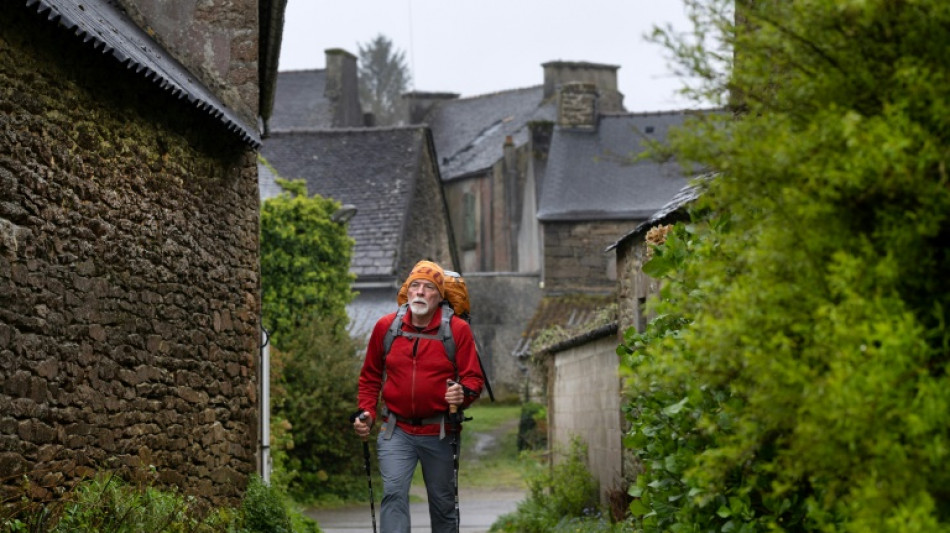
(412, 55)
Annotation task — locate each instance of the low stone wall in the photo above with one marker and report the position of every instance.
(585, 402)
(129, 280)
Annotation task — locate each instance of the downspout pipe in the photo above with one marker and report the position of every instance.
(266, 463)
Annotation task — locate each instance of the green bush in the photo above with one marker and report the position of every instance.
(563, 497)
(305, 262)
(264, 509)
(800, 382)
(305, 285)
(314, 381)
(108, 504)
(533, 428)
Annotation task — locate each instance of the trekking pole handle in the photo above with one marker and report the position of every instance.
(361, 416)
(452, 407)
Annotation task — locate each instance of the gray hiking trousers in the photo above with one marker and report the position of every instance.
(398, 457)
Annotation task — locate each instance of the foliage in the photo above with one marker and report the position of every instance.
(796, 376)
(383, 78)
(533, 428)
(107, 503)
(314, 380)
(549, 337)
(267, 509)
(305, 261)
(563, 497)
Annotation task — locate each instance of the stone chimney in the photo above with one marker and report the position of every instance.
(603, 77)
(577, 106)
(418, 104)
(342, 89)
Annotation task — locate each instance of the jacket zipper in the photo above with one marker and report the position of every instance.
(415, 347)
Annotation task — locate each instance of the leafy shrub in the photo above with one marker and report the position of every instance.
(305, 285)
(108, 504)
(563, 497)
(264, 509)
(532, 428)
(806, 389)
(305, 261)
(314, 379)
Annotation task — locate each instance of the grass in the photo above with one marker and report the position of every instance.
(497, 468)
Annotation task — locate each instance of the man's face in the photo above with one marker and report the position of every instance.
(423, 297)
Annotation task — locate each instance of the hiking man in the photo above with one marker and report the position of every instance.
(419, 383)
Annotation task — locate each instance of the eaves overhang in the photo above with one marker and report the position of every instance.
(110, 31)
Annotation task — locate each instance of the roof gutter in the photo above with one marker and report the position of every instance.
(111, 31)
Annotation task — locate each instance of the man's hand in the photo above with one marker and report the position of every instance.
(362, 425)
(454, 393)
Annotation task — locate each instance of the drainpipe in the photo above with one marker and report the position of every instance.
(265, 464)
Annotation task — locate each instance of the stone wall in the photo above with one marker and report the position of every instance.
(635, 287)
(574, 258)
(502, 304)
(577, 106)
(217, 40)
(129, 278)
(585, 402)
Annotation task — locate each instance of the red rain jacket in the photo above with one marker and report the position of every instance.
(416, 371)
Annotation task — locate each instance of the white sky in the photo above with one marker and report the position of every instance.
(482, 46)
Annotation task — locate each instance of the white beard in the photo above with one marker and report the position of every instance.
(419, 306)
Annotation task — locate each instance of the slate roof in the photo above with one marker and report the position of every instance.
(299, 101)
(470, 133)
(589, 177)
(688, 194)
(372, 168)
(110, 30)
(579, 317)
(367, 308)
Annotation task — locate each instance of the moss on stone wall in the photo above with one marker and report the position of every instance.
(129, 284)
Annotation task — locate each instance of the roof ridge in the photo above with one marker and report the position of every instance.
(497, 93)
(373, 129)
(301, 70)
(620, 114)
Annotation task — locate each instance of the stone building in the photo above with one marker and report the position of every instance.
(595, 189)
(129, 279)
(493, 152)
(389, 176)
(319, 98)
(535, 182)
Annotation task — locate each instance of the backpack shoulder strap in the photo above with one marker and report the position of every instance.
(445, 332)
(395, 329)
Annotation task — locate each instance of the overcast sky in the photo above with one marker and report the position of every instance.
(482, 46)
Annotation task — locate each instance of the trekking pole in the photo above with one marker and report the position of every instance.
(362, 416)
(455, 419)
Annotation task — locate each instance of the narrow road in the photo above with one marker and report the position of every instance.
(479, 509)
